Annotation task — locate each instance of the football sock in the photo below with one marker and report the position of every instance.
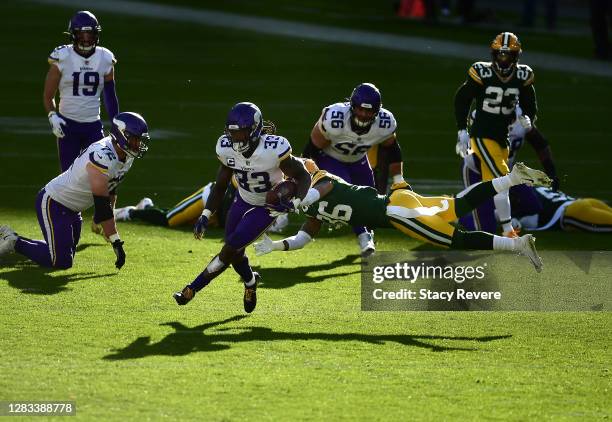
(502, 207)
(151, 215)
(503, 183)
(472, 197)
(245, 271)
(472, 240)
(212, 270)
(501, 243)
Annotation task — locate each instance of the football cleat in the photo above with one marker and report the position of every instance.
(184, 296)
(144, 203)
(531, 177)
(250, 295)
(527, 248)
(7, 240)
(366, 244)
(123, 214)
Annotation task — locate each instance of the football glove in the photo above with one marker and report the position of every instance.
(265, 246)
(119, 252)
(525, 121)
(200, 227)
(463, 143)
(284, 207)
(56, 123)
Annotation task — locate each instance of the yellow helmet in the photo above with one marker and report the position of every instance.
(505, 52)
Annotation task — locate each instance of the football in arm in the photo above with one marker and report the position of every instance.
(283, 191)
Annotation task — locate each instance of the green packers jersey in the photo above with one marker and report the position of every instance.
(495, 100)
(350, 204)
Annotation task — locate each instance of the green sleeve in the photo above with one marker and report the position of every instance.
(463, 100)
(528, 102)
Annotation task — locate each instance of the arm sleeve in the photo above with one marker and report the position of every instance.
(463, 99)
(298, 241)
(111, 102)
(528, 102)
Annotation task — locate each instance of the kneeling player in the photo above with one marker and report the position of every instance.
(424, 218)
(258, 161)
(91, 180)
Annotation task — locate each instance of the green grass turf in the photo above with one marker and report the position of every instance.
(118, 345)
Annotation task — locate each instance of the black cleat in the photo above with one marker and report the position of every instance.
(184, 296)
(250, 295)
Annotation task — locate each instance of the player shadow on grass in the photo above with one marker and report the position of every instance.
(185, 340)
(31, 278)
(284, 277)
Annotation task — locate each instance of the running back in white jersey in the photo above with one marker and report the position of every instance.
(346, 145)
(82, 81)
(72, 188)
(257, 174)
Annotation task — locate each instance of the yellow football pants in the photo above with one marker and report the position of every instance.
(493, 158)
(425, 218)
(588, 214)
(186, 211)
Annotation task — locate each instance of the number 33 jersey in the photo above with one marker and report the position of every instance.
(72, 188)
(257, 174)
(82, 81)
(346, 145)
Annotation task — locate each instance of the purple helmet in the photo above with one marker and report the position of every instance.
(81, 22)
(244, 117)
(126, 127)
(366, 96)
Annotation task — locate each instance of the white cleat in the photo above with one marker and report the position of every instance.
(7, 240)
(527, 248)
(144, 203)
(123, 214)
(531, 177)
(366, 244)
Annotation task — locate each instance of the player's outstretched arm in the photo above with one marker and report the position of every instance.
(295, 169)
(306, 234)
(224, 175)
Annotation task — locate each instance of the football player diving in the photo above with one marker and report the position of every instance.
(81, 71)
(258, 161)
(423, 218)
(92, 179)
(496, 87)
(341, 138)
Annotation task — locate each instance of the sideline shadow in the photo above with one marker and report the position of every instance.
(185, 340)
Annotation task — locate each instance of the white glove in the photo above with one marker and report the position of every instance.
(265, 246)
(56, 124)
(525, 122)
(516, 130)
(463, 143)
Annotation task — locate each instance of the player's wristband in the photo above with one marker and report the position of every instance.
(207, 213)
(113, 237)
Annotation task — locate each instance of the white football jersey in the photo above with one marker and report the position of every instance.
(72, 189)
(257, 174)
(346, 145)
(82, 81)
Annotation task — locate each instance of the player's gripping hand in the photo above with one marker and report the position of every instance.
(264, 247)
(119, 252)
(525, 122)
(284, 207)
(463, 143)
(56, 123)
(200, 226)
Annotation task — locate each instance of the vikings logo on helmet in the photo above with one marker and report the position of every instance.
(365, 105)
(126, 127)
(243, 126)
(505, 52)
(84, 31)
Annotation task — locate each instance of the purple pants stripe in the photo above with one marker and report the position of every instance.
(61, 228)
(77, 137)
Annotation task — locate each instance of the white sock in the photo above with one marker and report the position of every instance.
(501, 243)
(502, 207)
(250, 283)
(503, 183)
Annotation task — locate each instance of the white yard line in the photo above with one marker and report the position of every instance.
(314, 32)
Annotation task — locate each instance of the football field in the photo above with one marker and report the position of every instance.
(116, 343)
